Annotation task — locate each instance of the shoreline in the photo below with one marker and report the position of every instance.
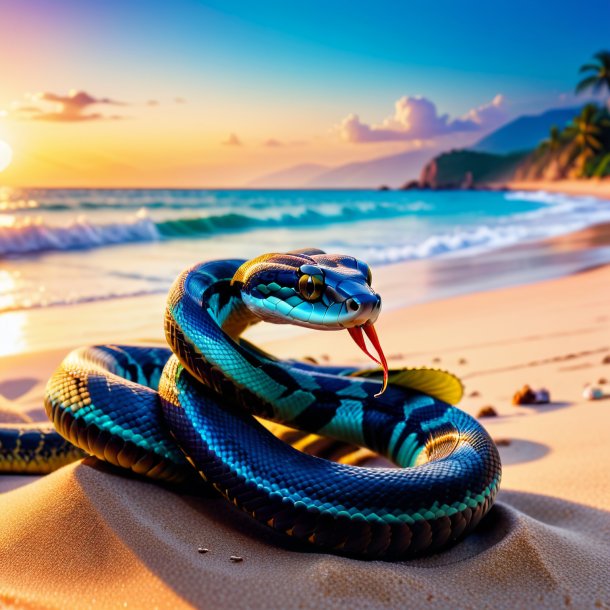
(591, 187)
(139, 318)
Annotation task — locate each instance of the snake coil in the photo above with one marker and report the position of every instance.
(195, 408)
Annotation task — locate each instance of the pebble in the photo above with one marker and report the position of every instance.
(502, 442)
(602, 381)
(487, 411)
(592, 393)
(236, 558)
(462, 361)
(202, 550)
(606, 360)
(527, 396)
(474, 394)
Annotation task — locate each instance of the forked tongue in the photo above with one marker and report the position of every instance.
(357, 335)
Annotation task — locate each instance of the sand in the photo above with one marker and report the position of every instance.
(593, 187)
(88, 537)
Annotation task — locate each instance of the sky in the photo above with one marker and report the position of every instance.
(188, 93)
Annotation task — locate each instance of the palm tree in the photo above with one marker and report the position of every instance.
(554, 141)
(598, 74)
(584, 134)
(585, 129)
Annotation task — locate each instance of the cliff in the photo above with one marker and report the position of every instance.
(467, 169)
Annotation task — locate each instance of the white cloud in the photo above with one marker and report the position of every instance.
(416, 118)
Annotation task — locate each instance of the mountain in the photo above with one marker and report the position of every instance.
(392, 171)
(291, 177)
(525, 132)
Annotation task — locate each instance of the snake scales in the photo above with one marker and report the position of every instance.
(169, 414)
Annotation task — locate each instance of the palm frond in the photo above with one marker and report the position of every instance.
(586, 83)
(589, 68)
(603, 57)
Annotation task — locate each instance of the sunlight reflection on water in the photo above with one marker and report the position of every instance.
(12, 333)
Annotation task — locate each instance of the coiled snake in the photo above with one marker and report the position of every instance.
(169, 414)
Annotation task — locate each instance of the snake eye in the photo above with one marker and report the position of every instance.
(369, 276)
(311, 287)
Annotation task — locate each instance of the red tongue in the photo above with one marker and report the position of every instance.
(356, 334)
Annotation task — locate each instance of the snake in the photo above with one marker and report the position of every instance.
(213, 406)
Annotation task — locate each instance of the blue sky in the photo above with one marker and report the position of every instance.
(295, 72)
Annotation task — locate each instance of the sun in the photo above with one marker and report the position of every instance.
(6, 155)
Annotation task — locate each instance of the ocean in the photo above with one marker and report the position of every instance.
(60, 247)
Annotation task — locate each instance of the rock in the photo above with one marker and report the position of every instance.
(524, 396)
(411, 185)
(592, 393)
(384, 187)
(487, 411)
(467, 182)
(527, 396)
(429, 174)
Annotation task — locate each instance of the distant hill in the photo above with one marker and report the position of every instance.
(392, 171)
(466, 168)
(291, 177)
(524, 133)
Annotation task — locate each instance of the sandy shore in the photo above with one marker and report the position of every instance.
(85, 537)
(593, 187)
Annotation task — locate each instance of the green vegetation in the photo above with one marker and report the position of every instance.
(582, 148)
(461, 167)
(598, 74)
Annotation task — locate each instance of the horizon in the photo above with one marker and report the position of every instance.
(205, 95)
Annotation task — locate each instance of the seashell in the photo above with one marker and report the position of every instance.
(592, 393)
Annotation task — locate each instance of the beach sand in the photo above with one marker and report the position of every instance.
(88, 537)
(593, 187)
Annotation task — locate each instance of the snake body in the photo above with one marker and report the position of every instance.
(194, 409)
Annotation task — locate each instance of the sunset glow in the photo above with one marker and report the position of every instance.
(6, 155)
(203, 94)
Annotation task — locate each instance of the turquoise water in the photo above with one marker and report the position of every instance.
(66, 246)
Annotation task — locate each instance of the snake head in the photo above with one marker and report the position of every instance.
(313, 289)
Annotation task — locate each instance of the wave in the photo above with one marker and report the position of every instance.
(84, 298)
(30, 236)
(479, 238)
(23, 236)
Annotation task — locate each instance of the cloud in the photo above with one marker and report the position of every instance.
(67, 108)
(488, 115)
(179, 100)
(232, 140)
(416, 118)
(152, 103)
(272, 143)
